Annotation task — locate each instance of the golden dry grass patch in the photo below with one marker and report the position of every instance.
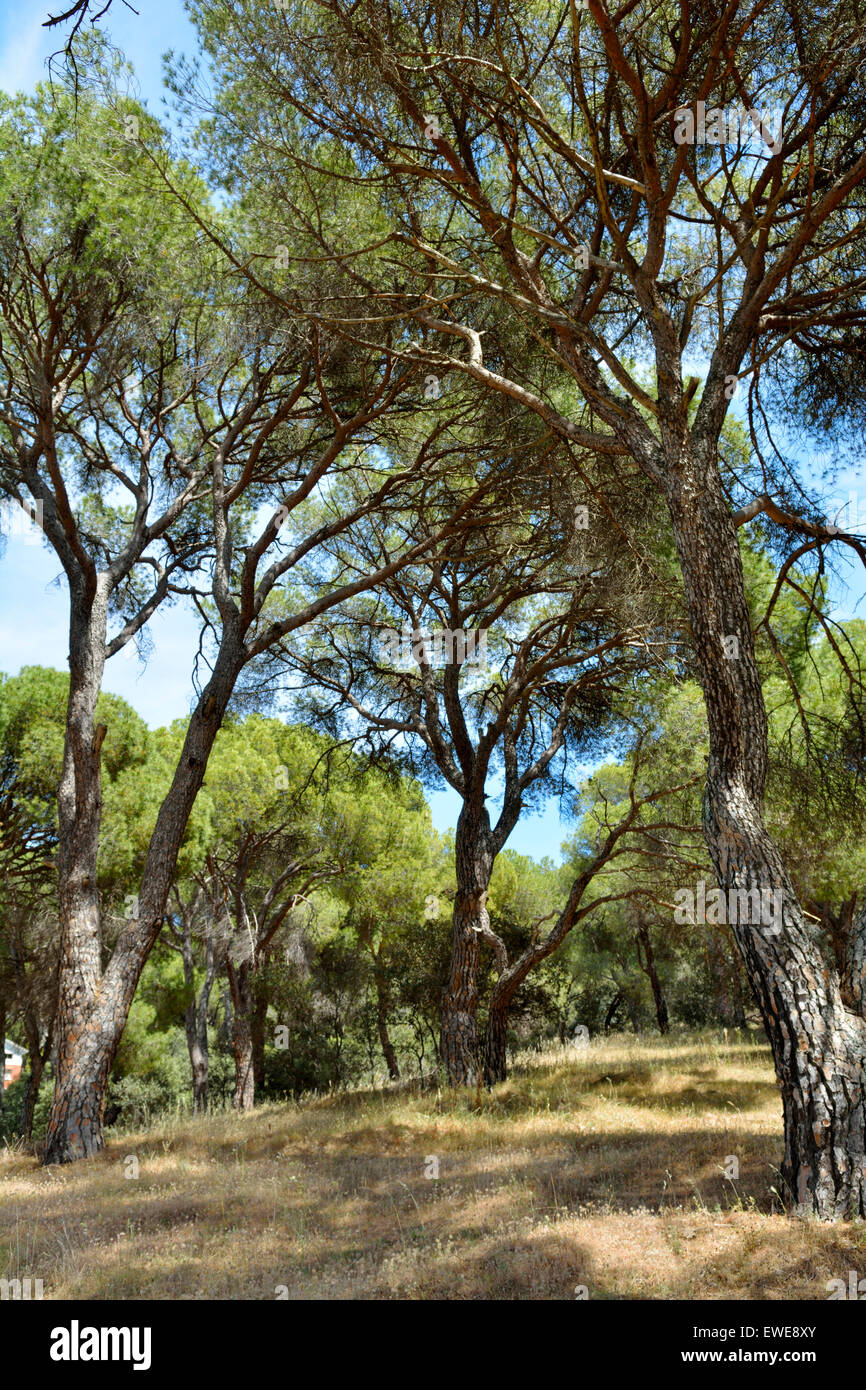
(602, 1169)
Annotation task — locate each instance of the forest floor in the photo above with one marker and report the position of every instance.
(600, 1170)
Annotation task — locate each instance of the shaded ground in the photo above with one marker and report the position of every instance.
(602, 1170)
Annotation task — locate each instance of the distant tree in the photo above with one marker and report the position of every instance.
(486, 665)
(631, 809)
(275, 834)
(193, 929)
(391, 886)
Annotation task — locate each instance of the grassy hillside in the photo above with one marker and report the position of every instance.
(602, 1168)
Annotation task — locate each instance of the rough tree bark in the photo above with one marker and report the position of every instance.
(495, 1036)
(818, 1043)
(79, 806)
(195, 1019)
(470, 922)
(242, 985)
(93, 1007)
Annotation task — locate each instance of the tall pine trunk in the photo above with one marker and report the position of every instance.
(459, 1027)
(75, 1124)
(495, 1035)
(459, 1037)
(818, 1043)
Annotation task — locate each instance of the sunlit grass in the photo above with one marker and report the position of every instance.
(602, 1168)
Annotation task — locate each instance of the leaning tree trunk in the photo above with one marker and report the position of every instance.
(612, 1009)
(92, 1011)
(648, 966)
(473, 862)
(382, 1010)
(818, 1043)
(242, 984)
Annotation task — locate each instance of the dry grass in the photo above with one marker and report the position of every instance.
(602, 1168)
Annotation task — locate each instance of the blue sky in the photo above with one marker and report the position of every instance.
(32, 596)
(143, 37)
(33, 629)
